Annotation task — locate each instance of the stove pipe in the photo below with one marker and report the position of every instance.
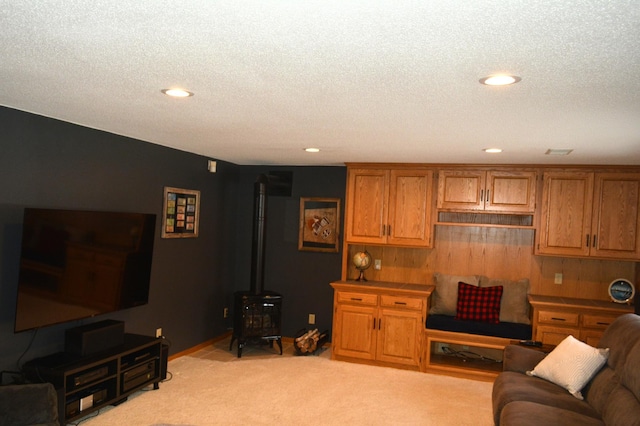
(258, 243)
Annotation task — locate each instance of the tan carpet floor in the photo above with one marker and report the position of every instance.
(214, 387)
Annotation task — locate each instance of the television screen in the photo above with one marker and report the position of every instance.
(79, 264)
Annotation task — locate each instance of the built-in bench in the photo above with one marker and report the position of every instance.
(508, 330)
(472, 348)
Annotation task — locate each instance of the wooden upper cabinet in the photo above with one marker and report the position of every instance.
(590, 215)
(366, 207)
(616, 216)
(409, 213)
(461, 190)
(565, 216)
(490, 191)
(389, 206)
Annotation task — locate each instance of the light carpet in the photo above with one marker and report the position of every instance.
(301, 390)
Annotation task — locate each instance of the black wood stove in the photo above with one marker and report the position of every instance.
(257, 313)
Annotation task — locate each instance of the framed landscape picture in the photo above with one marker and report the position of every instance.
(180, 213)
(319, 224)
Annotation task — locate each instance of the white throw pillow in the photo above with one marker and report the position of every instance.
(571, 365)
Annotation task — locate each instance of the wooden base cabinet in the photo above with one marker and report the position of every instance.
(555, 318)
(379, 323)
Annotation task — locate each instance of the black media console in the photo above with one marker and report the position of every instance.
(88, 383)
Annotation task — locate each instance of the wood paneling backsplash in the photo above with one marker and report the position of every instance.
(496, 253)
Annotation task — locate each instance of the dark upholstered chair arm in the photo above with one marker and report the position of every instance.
(521, 359)
(30, 404)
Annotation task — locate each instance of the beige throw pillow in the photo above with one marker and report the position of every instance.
(571, 365)
(444, 299)
(514, 306)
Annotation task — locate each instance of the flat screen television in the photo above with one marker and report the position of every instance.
(78, 264)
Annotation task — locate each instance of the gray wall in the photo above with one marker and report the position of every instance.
(49, 163)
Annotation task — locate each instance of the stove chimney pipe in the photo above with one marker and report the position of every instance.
(258, 244)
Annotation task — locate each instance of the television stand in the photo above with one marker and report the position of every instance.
(85, 384)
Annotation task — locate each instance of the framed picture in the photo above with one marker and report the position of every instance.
(180, 213)
(319, 224)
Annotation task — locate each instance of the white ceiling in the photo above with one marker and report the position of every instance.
(370, 81)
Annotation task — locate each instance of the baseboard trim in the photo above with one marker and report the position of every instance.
(200, 346)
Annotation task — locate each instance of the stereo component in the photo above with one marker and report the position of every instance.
(79, 405)
(91, 376)
(138, 375)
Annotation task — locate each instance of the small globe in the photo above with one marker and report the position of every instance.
(362, 260)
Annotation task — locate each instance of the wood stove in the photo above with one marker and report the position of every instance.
(257, 319)
(257, 313)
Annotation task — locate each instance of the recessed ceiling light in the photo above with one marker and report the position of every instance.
(492, 150)
(558, 152)
(312, 149)
(177, 93)
(500, 80)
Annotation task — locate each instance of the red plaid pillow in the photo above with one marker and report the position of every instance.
(479, 303)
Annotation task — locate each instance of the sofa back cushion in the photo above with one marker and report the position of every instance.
(620, 337)
(615, 391)
(622, 408)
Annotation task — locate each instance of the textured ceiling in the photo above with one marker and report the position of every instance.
(383, 81)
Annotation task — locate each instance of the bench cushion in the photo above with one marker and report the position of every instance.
(507, 330)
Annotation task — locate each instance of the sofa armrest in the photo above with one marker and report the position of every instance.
(520, 359)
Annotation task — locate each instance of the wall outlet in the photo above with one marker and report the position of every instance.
(158, 332)
(558, 278)
(225, 313)
(312, 318)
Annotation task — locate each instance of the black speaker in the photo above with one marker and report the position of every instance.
(280, 183)
(93, 338)
(164, 359)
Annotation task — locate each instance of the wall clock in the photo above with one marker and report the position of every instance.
(621, 290)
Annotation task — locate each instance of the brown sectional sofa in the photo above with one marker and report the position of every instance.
(612, 396)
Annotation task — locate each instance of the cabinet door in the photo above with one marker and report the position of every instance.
(549, 335)
(399, 338)
(510, 192)
(355, 334)
(409, 210)
(591, 337)
(565, 216)
(461, 190)
(616, 216)
(367, 192)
